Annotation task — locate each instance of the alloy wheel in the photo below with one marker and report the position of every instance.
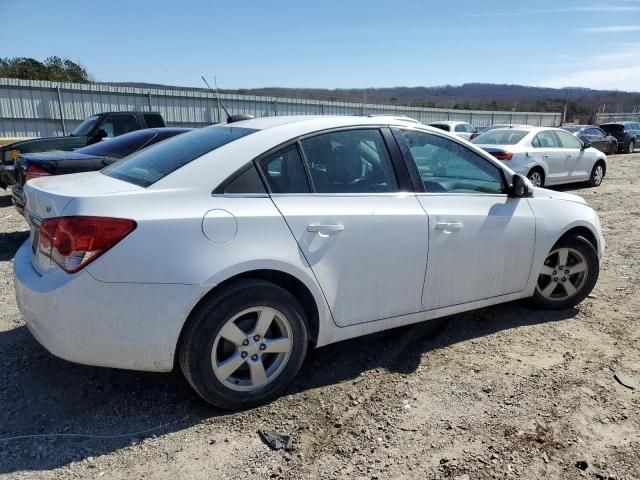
(563, 275)
(252, 348)
(535, 178)
(598, 175)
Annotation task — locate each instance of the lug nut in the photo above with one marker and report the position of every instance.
(566, 272)
(254, 357)
(246, 342)
(262, 346)
(555, 272)
(560, 267)
(256, 338)
(564, 279)
(555, 279)
(243, 354)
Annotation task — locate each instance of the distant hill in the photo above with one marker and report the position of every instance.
(582, 102)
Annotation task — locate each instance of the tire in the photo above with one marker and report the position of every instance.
(597, 174)
(613, 148)
(536, 177)
(631, 146)
(580, 254)
(238, 390)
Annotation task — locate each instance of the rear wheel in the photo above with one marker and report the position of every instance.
(613, 148)
(631, 147)
(569, 273)
(243, 346)
(597, 174)
(536, 177)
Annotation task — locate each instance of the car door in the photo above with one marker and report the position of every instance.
(365, 238)
(481, 241)
(596, 137)
(578, 160)
(547, 150)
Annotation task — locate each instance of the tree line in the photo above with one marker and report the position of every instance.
(54, 69)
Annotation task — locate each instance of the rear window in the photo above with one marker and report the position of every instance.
(500, 137)
(613, 128)
(153, 120)
(147, 166)
(120, 146)
(441, 126)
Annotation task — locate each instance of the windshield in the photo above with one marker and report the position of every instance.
(85, 127)
(500, 137)
(147, 166)
(120, 146)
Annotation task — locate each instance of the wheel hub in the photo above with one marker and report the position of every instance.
(563, 274)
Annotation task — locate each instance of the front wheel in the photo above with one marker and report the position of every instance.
(569, 273)
(245, 345)
(597, 174)
(613, 148)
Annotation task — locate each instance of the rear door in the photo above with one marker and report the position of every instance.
(578, 162)
(481, 241)
(547, 150)
(365, 238)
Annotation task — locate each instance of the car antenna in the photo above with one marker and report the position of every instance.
(215, 92)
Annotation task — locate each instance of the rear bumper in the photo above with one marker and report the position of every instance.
(122, 325)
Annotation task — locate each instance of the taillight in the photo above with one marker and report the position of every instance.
(34, 171)
(502, 155)
(73, 242)
(473, 135)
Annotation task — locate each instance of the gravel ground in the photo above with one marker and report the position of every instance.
(503, 392)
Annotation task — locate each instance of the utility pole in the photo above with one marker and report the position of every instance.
(566, 104)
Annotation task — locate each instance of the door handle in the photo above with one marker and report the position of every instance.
(325, 229)
(449, 227)
(545, 156)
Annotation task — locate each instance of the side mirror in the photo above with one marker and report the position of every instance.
(521, 187)
(586, 144)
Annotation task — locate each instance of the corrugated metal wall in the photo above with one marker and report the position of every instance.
(31, 108)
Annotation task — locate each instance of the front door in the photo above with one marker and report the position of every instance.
(481, 241)
(365, 241)
(547, 150)
(578, 165)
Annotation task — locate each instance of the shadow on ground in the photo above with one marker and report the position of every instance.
(10, 242)
(42, 394)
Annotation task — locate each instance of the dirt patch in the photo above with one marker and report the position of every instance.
(504, 392)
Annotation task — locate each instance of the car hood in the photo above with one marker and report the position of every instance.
(555, 195)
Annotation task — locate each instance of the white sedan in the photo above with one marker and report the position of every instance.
(547, 156)
(459, 129)
(230, 250)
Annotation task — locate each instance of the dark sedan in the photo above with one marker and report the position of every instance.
(86, 159)
(597, 137)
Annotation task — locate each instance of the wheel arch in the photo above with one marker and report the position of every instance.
(581, 231)
(285, 280)
(538, 166)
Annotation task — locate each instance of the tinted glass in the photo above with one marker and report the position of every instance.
(572, 129)
(151, 164)
(247, 182)
(568, 141)
(284, 171)
(613, 128)
(352, 161)
(153, 120)
(546, 139)
(448, 167)
(593, 131)
(121, 146)
(461, 128)
(85, 127)
(441, 126)
(116, 125)
(500, 137)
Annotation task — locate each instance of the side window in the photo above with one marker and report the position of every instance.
(600, 132)
(536, 142)
(351, 161)
(117, 125)
(153, 120)
(284, 171)
(592, 131)
(246, 183)
(461, 127)
(448, 167)
(546, 139)
(567, 140)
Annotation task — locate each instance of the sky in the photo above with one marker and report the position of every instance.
(335, 43)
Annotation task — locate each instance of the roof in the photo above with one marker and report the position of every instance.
(320, 121)
(446, 122)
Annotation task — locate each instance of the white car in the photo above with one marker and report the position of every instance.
(460, 129)
(231, 249)
(547, 156)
